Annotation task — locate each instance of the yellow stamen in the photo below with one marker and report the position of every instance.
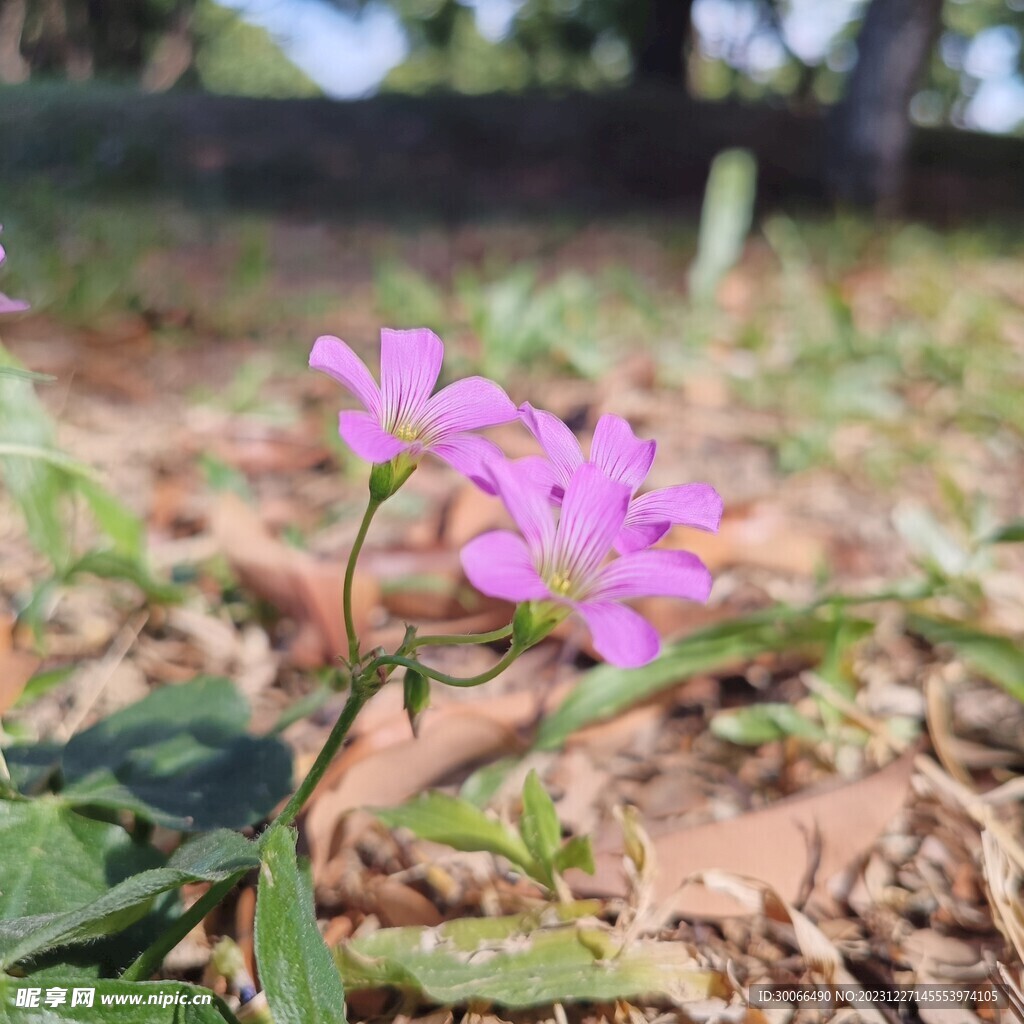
(406, 432)
(560, 584)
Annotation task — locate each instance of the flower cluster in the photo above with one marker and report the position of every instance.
(9, 305)
(585, 534)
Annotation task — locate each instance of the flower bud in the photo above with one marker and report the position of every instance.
(417, 696)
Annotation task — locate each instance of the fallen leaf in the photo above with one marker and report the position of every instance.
(299, 586)
(470, 513)
(256, 447)
(1005, 882)
(390, 776)
(16, 669)
(820, 955)
(398, 905)
(759, 534)
(769, 844)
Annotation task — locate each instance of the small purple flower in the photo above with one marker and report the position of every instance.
(566, 562)
(623, 457)
(401, 416)
(9, 305)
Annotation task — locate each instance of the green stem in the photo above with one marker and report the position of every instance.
(439, 639)
(360, 693)
(150, 959)
(396, 659)
(350, 575)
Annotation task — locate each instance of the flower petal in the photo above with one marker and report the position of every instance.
(593, 510)
(528, 505)
(651, 515)
(621, 636)
(468, 404)
(363, 434)
(620, 453)
(499, 565)
(653, 574)
(12, 305)
(335, 358)
(543, 474)
(410, 362)
(638, 536)
(557, 440)
(470, 455)
(698, 505)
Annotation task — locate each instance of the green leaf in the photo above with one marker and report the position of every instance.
(458, 823)
(35, 482)
(51, 859)
(39, 378)
(180, 758)
(115, 519)
(539, 825)
(1011, 533)
(576, 852)
(53, 457)
(113, 1002)
(479, 789)
(210, 858)
(524, 961)
(997, 658)
(300, 980)
(763, 723)
(42, 682)
(606, 691)
(724, 220)
(112, 565)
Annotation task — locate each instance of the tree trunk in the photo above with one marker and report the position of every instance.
(13, 67)
(871, 126)
(661, 55)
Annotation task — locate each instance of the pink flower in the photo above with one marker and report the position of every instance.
(565, 562)
(10, 305)
(623, 457)
(401, 416)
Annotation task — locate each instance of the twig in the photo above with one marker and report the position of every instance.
(105, 670)
(974, 805)
(822, 689)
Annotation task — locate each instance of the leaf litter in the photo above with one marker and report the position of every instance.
(845, 850)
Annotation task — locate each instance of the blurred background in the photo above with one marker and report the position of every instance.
(475, 105)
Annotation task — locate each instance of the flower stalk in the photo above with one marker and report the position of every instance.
(350, 575)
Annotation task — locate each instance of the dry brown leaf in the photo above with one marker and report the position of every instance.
(16, 669)
(298, 585)
(1005, 882)
(428, 585)
(817, 950)
(820, 955)
(389, 776)
(399, 905)
(770, 844)
(469, 513)
(939, 712)
(257, 447)
(759, 534)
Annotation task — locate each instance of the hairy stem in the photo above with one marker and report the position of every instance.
(361, 692)
(150, 959)
(350, 575)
